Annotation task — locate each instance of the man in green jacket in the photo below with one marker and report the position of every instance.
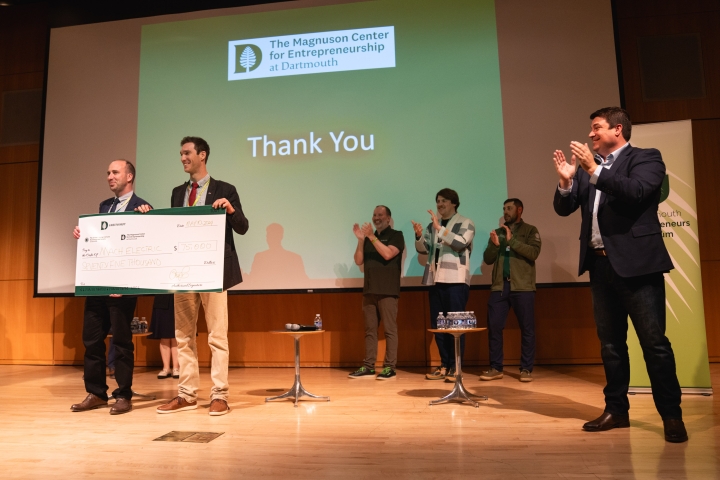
(512, 251)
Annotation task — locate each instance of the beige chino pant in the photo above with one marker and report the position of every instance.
(187, 306)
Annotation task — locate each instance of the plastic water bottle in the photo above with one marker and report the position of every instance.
(473, 320)
(134, 325)
(143, 325)
(318, 321)
(441, 321)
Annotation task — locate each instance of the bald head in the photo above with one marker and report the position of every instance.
(121, 177)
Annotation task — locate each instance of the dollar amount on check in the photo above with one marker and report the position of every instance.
(171, 250)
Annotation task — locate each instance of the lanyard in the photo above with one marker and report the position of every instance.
(198, 194)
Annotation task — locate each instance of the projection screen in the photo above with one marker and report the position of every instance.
(319, 111)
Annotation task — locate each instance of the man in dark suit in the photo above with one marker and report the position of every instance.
(202, 189)
(116, 312)
(621, 245)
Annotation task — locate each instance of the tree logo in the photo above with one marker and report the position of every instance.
(665, 189)
(103, 225)
(247, 58)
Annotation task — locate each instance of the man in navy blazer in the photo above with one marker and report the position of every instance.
(202, 189)
(617, 191)
(116, 312)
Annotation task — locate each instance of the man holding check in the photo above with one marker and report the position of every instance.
(202, 189)
(116, 311)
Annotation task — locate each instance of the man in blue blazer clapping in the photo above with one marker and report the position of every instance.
(617, 190)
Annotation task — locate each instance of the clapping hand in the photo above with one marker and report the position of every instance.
(494, 238)
(565, 170)
(418, 229)
(435, 221)
(358, 232)
(508, 233)
(367, 229)
(582, 153)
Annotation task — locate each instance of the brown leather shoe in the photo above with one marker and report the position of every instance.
(219, 407)
(675, 431)
(122, 405)
(91, 402)
(177, 404)
(607, 421)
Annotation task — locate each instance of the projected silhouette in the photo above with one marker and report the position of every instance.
(276, 267)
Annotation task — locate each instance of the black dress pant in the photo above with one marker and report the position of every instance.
(102, 313)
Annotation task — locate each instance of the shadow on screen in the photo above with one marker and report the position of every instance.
(549, 255)
(275, 262)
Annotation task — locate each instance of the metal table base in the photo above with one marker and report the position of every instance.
(297, 391)
(459, 394)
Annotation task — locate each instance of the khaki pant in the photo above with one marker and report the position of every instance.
(377, 308)
(187, 306)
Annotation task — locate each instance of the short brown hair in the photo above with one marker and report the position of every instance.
(615, 116)
(451, 195)
(515, 201)
(200, 146)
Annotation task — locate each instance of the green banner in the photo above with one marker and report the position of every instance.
(677, 213)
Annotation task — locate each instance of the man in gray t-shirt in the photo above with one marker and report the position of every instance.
(381, 253)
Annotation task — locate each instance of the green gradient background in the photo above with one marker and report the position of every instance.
(436, 118)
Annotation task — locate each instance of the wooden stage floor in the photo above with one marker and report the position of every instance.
(369, 429)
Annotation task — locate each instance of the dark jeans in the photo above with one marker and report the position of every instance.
(447, 297)
(523, 304)
(378, 308)
(102, 313)
(643, 299)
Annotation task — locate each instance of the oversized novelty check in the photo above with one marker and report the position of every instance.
(170, 250)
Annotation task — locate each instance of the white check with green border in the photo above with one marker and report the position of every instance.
(171, 250)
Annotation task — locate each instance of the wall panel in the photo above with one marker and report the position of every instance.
(17, 228)
(67, 333)
(26, 325)
(702, 23)
(706, 151)
(711, 300)
(25, 81)
(23, 38)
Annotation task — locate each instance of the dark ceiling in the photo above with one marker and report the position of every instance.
(62, 13)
